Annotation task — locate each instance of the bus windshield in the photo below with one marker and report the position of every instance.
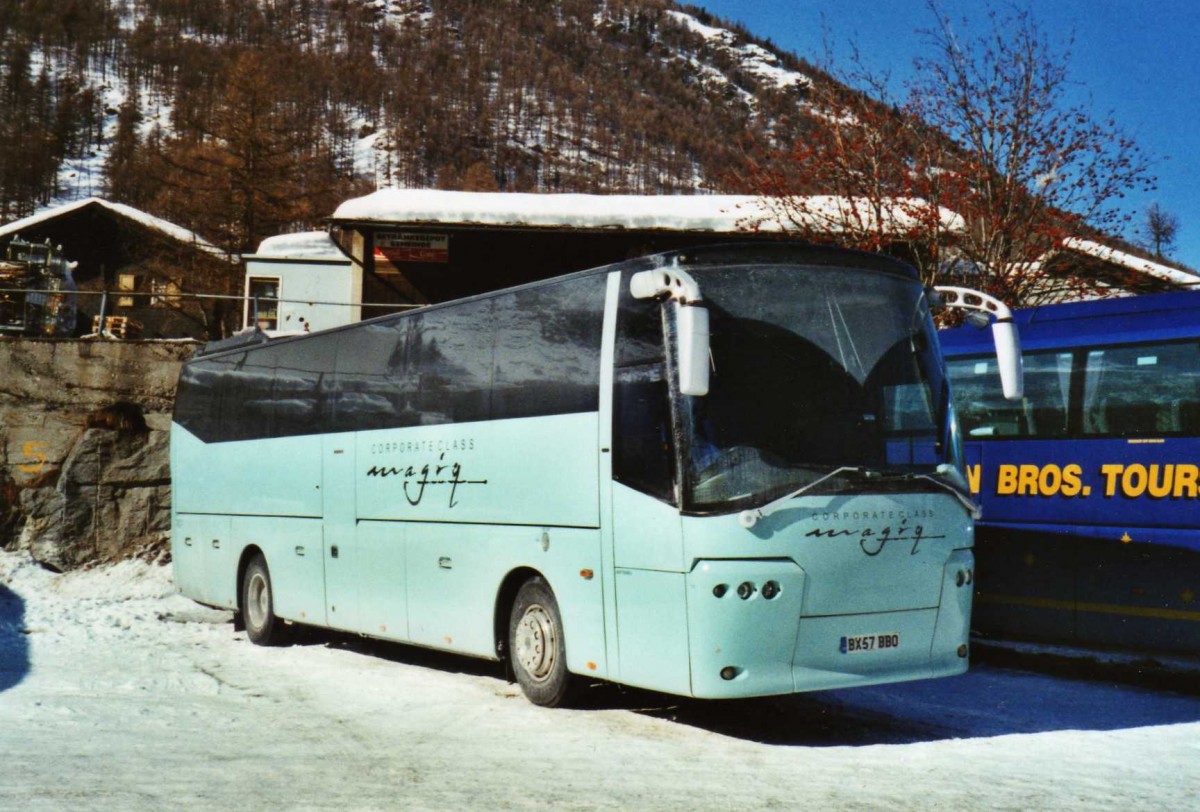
(813, 369)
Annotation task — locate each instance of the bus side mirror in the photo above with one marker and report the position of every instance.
(692, 329)
(1004, 333)
(1008, 358)
(691, 322)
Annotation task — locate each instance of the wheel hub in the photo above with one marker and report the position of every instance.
(536, 643)
(258, 600)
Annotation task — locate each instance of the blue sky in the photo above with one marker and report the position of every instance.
(1138, 59)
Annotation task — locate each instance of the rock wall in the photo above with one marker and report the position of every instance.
(84, 469)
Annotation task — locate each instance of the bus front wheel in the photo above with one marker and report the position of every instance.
(536, 646)
(258, 606)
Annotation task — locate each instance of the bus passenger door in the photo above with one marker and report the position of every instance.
(646, 603)
(343, 567)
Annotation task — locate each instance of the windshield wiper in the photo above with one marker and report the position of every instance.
(952, 482)
(748, 518)
(948, 478)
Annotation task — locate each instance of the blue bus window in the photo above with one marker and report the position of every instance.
(984, 412)
(1142, 389)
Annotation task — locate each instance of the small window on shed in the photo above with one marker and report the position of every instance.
(126, 282)
(263, 294)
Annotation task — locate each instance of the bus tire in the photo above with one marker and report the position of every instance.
(536, 646)
(258, 605)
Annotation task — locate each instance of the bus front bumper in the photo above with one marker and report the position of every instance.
(749, 635)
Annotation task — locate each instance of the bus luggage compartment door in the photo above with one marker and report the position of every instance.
(200, 545)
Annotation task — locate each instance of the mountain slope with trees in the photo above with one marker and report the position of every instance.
(243, 118)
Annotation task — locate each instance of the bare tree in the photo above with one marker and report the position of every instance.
(1037, 168)
(1158, 230)
(988, 132)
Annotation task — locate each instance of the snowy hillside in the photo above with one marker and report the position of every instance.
(581, 95)
(116, 693)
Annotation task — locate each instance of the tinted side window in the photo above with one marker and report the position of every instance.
(230, 404)
(642, 449)
(548, 349)
(196, 399)
(1143, 389)
(639, 327)
(432, 367)
(453, 350)
(302, 385)
(373, 390)
(247, 411)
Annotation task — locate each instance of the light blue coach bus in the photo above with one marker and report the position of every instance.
(726, 472)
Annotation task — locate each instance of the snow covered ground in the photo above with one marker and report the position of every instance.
(116, 693)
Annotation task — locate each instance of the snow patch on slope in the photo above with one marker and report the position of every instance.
(753, 59)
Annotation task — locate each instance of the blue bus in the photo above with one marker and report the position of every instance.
(725, 472)
(1089, 484)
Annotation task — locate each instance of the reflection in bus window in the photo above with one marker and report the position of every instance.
(984, 411)
(1142, 389)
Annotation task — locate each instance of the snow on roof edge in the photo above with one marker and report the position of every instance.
(301, 245)
(1127, 260)
(175, 232)
(712, 213)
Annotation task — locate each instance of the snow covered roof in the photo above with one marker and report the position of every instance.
(305, 245)
(1130, 261)
(128, 212)
(712, 213)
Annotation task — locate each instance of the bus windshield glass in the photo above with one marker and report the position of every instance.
(813, 369)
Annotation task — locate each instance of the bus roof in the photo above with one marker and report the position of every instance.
(744, 253)
(1152, 317)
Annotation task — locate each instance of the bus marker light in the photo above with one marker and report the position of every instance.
(745, 590)
(962, 650)
(591, 666)
(720, 589)
(960, 579)
(586, 575)
(729, 672)
(770, 589)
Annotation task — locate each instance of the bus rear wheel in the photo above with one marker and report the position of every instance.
(536, 646)
(258, 605)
